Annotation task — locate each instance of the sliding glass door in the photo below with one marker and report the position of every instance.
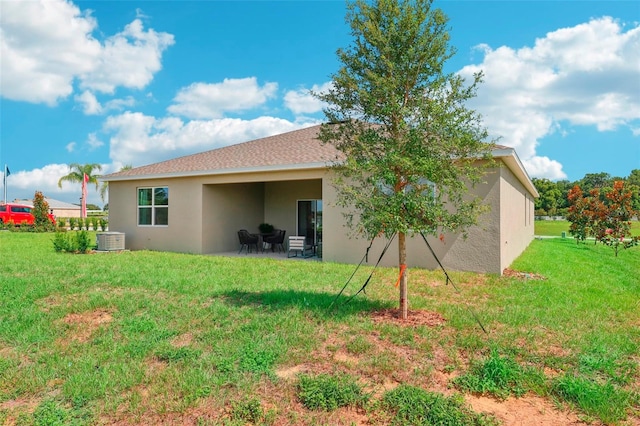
(310, 221)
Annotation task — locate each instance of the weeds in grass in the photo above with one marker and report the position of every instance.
(172, 354)
(499, 376)
(52, 413)
(359, 345)
(604, 401)
(412, 406)
(257, 360)
(251, 411)
(329, 392)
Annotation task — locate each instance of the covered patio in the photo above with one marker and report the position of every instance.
(294, 206)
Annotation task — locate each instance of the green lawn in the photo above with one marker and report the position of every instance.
(150, 337)
(557, 227)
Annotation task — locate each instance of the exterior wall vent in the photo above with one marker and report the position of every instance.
(108, 241)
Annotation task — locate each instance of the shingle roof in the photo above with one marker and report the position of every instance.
(299, 147)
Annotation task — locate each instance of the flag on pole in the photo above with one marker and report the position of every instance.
(4, 183)
(83, 211)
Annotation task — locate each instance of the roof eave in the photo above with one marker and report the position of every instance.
(219, 172)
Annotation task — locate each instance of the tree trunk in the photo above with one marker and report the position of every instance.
(402, 250)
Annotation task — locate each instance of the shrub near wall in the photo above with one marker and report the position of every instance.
(67, 242)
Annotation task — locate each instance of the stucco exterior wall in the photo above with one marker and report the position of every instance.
(479, 252)
(516, 211)
(228, 208)
(281, 202)
(66, 212)
(184, 231)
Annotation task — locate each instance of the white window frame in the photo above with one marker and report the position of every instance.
(152, 207)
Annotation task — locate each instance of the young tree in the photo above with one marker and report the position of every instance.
(619, 212)
(41, 213)
(411, 146)
(578, 214)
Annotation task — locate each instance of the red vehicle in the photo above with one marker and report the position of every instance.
(19, 214)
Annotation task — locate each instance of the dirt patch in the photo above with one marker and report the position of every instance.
(414, 318)
(290, 373)
(23, 404)
(522, 275)
(83, 325)
(182, 340)
(525, 411)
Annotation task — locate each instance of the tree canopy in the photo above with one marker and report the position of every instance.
(77, 172)
(554, 196)
(411, 144)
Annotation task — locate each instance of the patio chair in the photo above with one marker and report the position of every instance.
(247, 240)
(299, 245)
(276, 240)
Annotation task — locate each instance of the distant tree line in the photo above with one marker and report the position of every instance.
(554, 196)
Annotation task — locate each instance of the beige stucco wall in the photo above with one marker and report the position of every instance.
(281, 201)
(228, 208)
(516, 211)
(66, 212)
(184, 232)
(479, 252)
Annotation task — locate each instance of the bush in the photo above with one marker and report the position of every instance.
(103, 223)
(83, 241)
(67, 243)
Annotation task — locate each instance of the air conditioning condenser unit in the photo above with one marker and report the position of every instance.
(109, 241)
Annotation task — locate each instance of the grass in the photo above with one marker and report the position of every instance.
(555, 228)
(155, 337)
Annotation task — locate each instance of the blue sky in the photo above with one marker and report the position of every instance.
(135, 82)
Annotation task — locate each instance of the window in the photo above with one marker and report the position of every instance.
(153, 206)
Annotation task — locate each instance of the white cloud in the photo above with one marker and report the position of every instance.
(212, 100)
(544, 167)
(128, 59)
(139, 139)
(585, 75)
(303, 102)
(71, 146)
(46, 45)
(89, 103)
(93, 141)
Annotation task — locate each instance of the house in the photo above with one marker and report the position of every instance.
(197, 203)
(56, 207)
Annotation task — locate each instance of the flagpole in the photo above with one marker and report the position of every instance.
(5, 183)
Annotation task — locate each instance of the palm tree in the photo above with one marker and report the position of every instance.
(105, 185)
(77, 172)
